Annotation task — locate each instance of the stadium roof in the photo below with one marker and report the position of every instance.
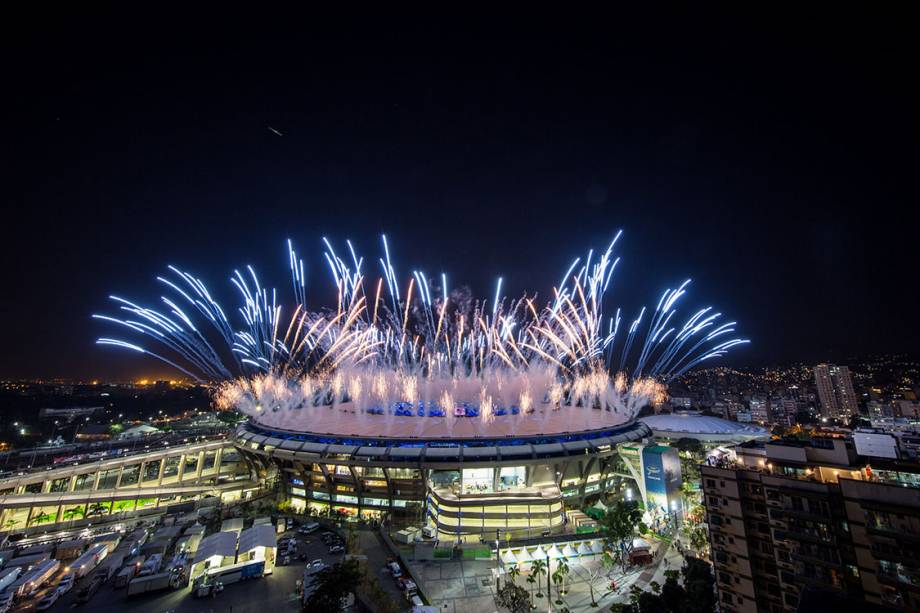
(703, 427)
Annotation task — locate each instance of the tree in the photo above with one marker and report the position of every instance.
(557, 578)
(532, 580)
(351, 539)
(514, 572)
(695, 596)
(564, 570)
(11, 523)
(514, 598)
(696, 532)
(607, 562)
(594, 573)
(672, 593)
(651, 603)
(333, 585)
(699, 584)
(689, 445)
(538, 569)
(619, 527)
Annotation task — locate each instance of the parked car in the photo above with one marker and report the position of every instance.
(395, 570)
(337, 549)
(407, 586)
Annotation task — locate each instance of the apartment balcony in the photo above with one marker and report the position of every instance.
(814, 560)
(899, 575)
(891, 533)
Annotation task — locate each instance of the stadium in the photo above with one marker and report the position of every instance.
(516, 483)
(471, 416)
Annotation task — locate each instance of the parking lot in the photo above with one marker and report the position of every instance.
(273, 593)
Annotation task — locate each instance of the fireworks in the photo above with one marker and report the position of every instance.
(427, 353)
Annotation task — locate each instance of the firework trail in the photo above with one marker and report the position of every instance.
(422, 352)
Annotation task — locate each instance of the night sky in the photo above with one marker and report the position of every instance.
(773, 163)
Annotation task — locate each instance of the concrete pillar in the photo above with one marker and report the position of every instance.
(181, 472)
(121, 471)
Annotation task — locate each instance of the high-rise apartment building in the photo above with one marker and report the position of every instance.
(760, 409)
(793, 517)
(835, 391)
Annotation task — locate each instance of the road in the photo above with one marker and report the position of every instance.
(377, 556)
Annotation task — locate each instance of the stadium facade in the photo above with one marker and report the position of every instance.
(513, 484)
(508, 484)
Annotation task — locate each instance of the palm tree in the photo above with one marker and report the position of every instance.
(11, 523)
(557, 577)
(538, 569)
(564, 570)
(531, 579)
(514, 572)
(41, 518)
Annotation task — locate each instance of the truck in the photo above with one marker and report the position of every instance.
(34, 549)
(151, 566)
(124, 576)
(28, 561)
(69, 550)
(89, 560)
(8, 577)
(89, 590)
(30, 582)
(150, 583)
(139, 536)
(234, 572)
(112, 564)
(110, 540)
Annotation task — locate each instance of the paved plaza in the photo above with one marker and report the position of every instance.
(464, 586)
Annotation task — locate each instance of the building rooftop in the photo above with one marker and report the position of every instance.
(702, 427)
